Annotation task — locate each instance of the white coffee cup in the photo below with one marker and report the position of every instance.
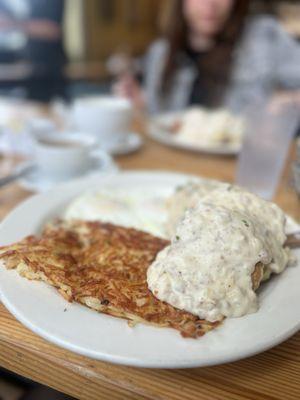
(63, 155)
(108, 118)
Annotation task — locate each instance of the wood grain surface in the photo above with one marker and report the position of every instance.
(274, 374)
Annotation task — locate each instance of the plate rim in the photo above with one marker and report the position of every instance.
(133, 362)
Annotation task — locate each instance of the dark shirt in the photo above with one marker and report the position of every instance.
(198, 93)
(207, 90)
(47, 56)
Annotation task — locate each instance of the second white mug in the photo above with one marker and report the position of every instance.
(105, 117)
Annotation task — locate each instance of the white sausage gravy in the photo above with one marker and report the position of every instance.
(207, 268)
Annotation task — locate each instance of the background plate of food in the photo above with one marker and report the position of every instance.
(200, 130)
(151, 333)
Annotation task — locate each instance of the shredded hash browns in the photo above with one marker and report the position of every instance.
(102, 266)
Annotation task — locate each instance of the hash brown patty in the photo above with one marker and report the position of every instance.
(102, 266)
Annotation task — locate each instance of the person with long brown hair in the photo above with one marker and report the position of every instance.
(213, 54)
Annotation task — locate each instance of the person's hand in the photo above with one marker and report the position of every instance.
(285, 99)
(126, 86)
(43, 29)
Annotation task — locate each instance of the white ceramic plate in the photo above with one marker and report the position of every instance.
(158, 130)
(41, 308)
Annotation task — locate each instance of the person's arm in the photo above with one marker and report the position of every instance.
(121, 67)
(285, 98)
(287, 61)
(6, 22)
(154, 63)
(148, 95)
(43, 29)
(45, 20)
(287, 69)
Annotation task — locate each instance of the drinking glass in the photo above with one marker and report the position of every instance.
(269, 130)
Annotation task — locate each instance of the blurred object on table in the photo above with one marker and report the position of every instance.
(199, 129)
(269, 132)
(14, 137)
(199, 126)
(18, 122)
(21, 131)
(105, 117)
(109, 119)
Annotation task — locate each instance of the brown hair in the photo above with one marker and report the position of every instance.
(216, 65)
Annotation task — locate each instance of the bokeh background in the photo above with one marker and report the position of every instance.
(65, 45)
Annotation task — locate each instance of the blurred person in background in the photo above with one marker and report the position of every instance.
(214, 55)
(39, 22)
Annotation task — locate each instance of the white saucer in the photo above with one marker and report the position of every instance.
(36, 182)
(129, 143)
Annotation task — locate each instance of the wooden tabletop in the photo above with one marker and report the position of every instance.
(274, 374)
